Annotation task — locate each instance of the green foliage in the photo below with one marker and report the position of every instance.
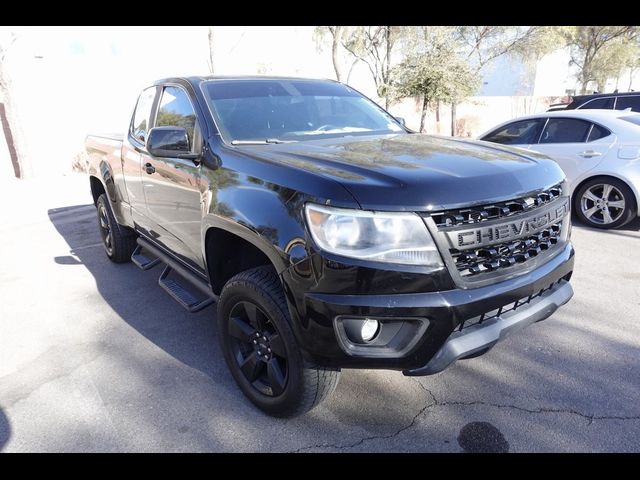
(374, 45)
(602, 52)
(439, 75)
(482, 43)
(434, 71)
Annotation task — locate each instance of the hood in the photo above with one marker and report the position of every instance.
(417, 172)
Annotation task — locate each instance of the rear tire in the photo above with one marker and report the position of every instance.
(604, 202)
(261, 351)
(118, 241)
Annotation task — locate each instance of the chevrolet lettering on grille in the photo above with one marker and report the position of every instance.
(518, 227)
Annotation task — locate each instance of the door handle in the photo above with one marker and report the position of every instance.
(589, 154)
(149, 168)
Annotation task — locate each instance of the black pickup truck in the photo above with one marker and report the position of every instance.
(329, 235)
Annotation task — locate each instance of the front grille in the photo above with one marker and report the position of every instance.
(483, 213)
(488, 259)
(506, 309)
(483, 242)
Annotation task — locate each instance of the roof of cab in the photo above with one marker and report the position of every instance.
(197, 79)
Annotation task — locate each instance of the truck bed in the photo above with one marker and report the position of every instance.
(104, 148)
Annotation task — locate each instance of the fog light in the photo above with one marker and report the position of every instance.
(369, 329)
(361, 330)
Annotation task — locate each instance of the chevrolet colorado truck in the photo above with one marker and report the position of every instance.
(328, 234)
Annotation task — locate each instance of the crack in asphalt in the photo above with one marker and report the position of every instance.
(437, 403)
(366, 439)
(589, 418)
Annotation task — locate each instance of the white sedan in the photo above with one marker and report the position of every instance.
(599, 151)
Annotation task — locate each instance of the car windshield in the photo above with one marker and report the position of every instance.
(274, 111)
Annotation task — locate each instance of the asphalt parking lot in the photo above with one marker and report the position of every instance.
(96, 357)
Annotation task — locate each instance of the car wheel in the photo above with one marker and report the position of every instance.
(604, 202)
(260, 348)
(118, 241)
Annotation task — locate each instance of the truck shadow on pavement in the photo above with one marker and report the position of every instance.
(536, 387)
(190, 388)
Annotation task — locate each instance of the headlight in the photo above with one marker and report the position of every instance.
(400, 238)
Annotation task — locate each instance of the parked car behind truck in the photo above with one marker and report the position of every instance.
(599, 151)
(329, 235)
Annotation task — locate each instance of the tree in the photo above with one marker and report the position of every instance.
(14, 137)
(336, 33)
(340, 36)
(633, 64)
(374, 45)
(482, 44)
(436, 73)
(596, 51)
(210, 59)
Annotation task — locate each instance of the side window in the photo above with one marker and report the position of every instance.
(604, 102)
(140, 123)
(565, 130)
(516, 133)
(632, 101)
(176, 111)
(598, 132)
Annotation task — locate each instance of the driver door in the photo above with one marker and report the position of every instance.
(172, 185)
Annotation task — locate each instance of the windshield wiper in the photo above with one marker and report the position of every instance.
(260, 142)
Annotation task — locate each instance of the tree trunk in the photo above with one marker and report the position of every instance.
(335, 50)
(11, 128)
(438, 117)
(423, 114)
(387, 65)
(355, 62)
(453, 119)
(210, 36)
(630, 79)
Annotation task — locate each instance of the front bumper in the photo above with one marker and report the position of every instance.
(545, 288)
(481, 337)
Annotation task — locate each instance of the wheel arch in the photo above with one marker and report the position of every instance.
(230, 248)
(97, 188)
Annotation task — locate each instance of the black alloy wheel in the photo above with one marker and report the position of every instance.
(257, 340)
(258, 349)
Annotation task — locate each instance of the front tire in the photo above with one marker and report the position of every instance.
(605, 202)
(261, 351)
(118, 241)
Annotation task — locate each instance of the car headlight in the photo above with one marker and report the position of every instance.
(390, 237)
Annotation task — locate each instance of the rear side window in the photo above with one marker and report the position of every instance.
(140, 124)
(565, 130)
(517, 133)
(176, 111)
(604, 102)
(598, 132)
(632, 101)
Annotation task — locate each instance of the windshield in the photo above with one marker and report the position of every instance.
(273, 111)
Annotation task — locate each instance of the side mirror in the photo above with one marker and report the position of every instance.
(401, 121)
(169, 142)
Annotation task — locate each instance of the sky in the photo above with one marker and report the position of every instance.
(87, 79)
(71, 81)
